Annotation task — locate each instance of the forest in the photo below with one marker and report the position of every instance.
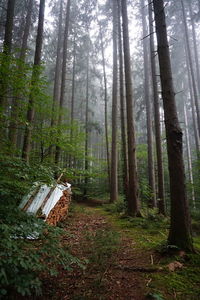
(100, 103)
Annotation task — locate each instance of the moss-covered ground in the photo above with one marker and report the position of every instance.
(150, 234)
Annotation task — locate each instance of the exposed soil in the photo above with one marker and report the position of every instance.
(121, 276)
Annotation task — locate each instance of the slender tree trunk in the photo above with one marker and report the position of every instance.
(26, 31)
(160, 176)
(86, 129)
(122, 109)
(73, 81)
(106, 103)
(2, 17)
(56, 88)
(35, 76)
(133, 199)
(63, 79)
(13, 128)
(114, 160)
(151, 171)
(7, 44)
(192, 103)
(180, 228)
(191, 66)
(189, 158)
(5, 64)
(195, 47)
(72, 98)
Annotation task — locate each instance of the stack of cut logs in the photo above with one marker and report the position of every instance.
(60, 210)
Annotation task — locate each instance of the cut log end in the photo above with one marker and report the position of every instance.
(60, 210)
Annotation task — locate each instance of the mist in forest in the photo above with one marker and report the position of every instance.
(104, 93)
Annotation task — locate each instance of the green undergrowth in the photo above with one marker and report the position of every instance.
(181, 284)
(150, 234)
(103, 244)
(29, 248)
(148, 231)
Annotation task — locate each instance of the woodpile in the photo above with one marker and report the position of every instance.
(60, 210)
(50, 203)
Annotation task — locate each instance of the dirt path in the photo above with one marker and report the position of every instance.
(115, 265)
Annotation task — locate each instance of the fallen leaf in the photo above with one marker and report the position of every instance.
(174, 266)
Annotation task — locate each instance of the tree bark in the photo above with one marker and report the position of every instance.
(133, 199)
(160, 176)
(71, 159)
(191, 66)
(73, 80)
(189, 158)
(86, 129)
(195, 47)
(180, 227)
(63, 78)
(114, 160)
(122, 108)
(7, 44)
(35, 76)
(5, 64)
(192, 103)
(151, 171)
(56, 88)
(13, 128)
(106, 103)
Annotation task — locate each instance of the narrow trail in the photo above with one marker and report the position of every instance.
(114, 271)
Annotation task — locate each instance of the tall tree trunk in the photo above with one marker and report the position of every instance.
(192, 103)
(105, 103)
(189, 157)
(133, 199)
(13, 130)
(195, 47)
(86, 129)
(71, 159)
(73, 80)
(122, 108)
(2, 18)
(56, 88)
(7, 44)
(114, 160)
(151, 171)
(35, 76)
(180, 227)
(160, 176)
(5, 63)
(63, 79)
(26, 31)
(191, 66)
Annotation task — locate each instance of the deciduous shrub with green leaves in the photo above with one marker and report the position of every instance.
(16, 178)
(29, 247)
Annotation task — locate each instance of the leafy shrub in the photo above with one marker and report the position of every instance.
(16, 178)
(165, 249)
(23, 258)
(117, 207)
(155, 296)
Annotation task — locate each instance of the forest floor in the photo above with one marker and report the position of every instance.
(121, 261)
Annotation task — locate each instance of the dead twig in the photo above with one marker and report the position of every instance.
(151, 256)
(138, 269)
(148, 282)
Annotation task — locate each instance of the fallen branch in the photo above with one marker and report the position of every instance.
(139, 269)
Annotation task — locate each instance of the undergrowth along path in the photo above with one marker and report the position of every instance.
(115, 267)
(120, 260)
